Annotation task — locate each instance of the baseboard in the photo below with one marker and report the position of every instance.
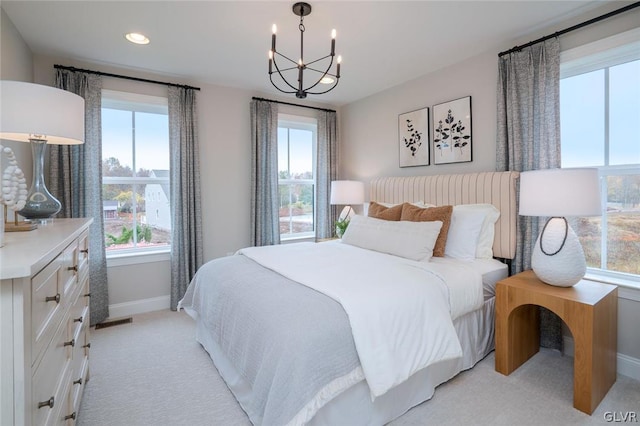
(627, 365)
(119, 310)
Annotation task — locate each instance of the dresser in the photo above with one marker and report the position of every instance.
(44, 323)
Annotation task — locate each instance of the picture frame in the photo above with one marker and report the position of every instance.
(452, 132)
(413, 138)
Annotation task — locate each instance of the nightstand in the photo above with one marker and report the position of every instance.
(589, 309)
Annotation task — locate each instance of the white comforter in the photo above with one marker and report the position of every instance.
(406, 322)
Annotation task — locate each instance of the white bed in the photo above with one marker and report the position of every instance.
(474, 329)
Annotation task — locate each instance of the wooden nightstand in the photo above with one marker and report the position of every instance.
(589, 309)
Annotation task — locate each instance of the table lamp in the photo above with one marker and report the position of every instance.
(346, 192)
(40, 115)
(558, 258)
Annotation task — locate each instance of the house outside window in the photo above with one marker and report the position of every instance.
(600, 127)
(297, 138)
(135, 165)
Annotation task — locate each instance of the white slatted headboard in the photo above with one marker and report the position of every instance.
(497, 188)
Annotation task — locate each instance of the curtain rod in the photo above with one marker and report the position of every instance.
(575, 27)
(125, 77)
(288, 103)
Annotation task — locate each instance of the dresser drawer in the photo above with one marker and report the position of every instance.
(68, 273)
(51, 379)
(80, 364)
(83, 255)
(46, 306)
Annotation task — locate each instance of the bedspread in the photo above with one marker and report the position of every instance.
(292, 345)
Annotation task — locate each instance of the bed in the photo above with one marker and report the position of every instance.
(347, 332)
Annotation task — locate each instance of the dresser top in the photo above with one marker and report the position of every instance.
(27, 252)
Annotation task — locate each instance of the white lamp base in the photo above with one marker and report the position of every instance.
(559, 265)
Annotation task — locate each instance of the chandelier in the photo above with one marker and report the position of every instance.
(302, 9)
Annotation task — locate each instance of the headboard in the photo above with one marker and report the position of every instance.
(497, 188)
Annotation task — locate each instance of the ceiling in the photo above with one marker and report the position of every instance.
(382, 43)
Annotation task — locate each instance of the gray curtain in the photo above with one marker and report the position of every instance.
(528, 138)
(265, 226)
(326, 172)
(76, 180)
(186, 215)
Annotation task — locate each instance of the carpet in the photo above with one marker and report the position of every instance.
(153, 372)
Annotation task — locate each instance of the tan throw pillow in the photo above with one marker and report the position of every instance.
(379, 211)
(443, 214)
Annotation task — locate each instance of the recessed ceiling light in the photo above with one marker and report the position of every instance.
(327, 80)
(137, 38)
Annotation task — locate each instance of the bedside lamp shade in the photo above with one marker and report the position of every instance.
(347, 192)
(560, 192)
(558, 258)
(40, 115)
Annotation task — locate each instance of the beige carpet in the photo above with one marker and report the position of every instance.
(152, 372)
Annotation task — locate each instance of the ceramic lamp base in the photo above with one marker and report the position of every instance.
(558, 258)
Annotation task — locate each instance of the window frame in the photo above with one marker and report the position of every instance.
(297, 122)
(604, 54)
(135, 103)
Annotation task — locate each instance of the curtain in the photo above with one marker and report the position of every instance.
(326, 172)
(186, 215)
(76, 180)
(528, 138)
(265, 226)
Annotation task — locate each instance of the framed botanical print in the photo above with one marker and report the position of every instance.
(413, 138)
(452, 131)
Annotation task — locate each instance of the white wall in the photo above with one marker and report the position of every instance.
(16, 63)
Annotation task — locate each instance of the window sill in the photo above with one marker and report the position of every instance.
(627, 289)
(125, 259)
(310, 238)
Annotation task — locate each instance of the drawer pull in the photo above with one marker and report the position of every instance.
(85, 251)
(71, 416)
(73, 268)
(87, 295)
(55, 298)
(71, 343)
(88, 345)
(78, 382)
(79, 319)
(48, 403)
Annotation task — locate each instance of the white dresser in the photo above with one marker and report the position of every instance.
(44, 323)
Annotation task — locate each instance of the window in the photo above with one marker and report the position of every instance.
(600, 127)
(296, 176)
(135, 169)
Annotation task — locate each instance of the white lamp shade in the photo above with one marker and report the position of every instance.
(28, 109)
(347, 192)
(560, 192)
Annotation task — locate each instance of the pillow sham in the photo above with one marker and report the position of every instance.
(420, 204)
(411, 240)
(484, 246)
(464, 233)
(413, 213)
(379, 211)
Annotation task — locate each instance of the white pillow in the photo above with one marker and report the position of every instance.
(484, 246)
(411, 240)
(464, 232)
